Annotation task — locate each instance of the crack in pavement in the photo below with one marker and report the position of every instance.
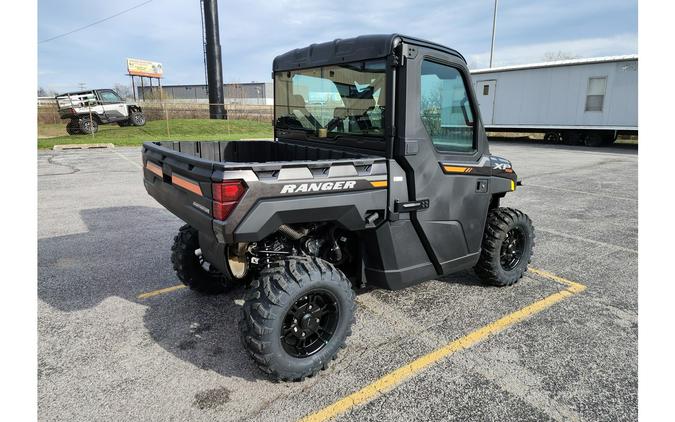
(71, 167)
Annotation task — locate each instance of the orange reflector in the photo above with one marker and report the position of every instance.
(379, 183)
(455, 169)
(154, 168)
(186, 184)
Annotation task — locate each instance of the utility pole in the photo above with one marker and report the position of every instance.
(214, 65)
(494, 29)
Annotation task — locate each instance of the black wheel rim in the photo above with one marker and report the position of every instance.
(310, 323)
(512, 249)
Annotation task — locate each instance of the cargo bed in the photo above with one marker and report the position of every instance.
(256, 151)
(183, 176)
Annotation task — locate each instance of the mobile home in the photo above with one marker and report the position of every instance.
(578, 101)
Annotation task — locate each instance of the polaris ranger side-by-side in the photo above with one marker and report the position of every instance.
(379, 174)
(85, 110)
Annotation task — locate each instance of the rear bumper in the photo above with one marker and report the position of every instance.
(182, 205)
(178, 202)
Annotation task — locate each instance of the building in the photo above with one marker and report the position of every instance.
(585, 100)
(251, 93)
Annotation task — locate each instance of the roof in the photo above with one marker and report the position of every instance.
(558, 63)
(349, 50)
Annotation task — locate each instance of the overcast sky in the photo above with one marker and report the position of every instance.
(252, 32)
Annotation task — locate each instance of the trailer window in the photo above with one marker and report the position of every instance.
(595, 96)
(445, 109)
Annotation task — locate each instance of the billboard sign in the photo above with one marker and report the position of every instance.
(137, 67)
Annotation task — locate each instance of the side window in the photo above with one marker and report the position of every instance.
(595, 96)
(109, 97)
(445, 109)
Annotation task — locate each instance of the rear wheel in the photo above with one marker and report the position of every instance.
(599, 139)
(508, 243)
(297, 315)
(73, 127)
(137, 118)
(553, 137)
(191, 267)
(571, 137)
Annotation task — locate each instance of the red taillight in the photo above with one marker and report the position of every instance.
(226, 195)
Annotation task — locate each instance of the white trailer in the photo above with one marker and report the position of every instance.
(576, 101)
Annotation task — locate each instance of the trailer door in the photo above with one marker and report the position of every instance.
(485, 93)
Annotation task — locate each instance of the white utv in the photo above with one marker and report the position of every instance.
(85, 110)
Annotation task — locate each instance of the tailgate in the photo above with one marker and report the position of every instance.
(180, 182)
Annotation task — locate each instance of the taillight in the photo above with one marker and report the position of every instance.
(226, 195)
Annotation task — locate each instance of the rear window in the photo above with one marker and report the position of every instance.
(332, 101)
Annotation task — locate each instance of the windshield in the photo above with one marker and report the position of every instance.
(330, 101)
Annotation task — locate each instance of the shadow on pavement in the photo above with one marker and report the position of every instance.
(127, 252)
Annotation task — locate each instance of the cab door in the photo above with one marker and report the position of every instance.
(114, 107)
(446, 159)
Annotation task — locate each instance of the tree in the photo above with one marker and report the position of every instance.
(123, 90)
(552, 56)
(42, 92)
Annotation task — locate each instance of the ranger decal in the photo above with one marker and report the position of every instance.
(316, 187)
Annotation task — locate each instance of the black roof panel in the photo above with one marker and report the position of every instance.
(349, 50)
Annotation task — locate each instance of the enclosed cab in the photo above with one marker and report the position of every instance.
(379, 174)
(86, 110)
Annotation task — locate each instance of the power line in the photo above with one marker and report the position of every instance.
(95, 23)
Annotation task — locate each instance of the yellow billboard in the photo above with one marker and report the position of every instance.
(138, 67)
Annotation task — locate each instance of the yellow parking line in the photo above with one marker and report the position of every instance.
(401, 374)
(160, 291)
(572, 286)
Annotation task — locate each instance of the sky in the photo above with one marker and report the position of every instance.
(253, 32)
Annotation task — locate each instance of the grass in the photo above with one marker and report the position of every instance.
(179, 130)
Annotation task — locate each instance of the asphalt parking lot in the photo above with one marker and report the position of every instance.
(114, 346)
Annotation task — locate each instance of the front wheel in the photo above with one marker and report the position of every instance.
(297, 315)
(508, 244)
(137, 118)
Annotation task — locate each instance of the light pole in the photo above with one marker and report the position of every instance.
(494, 28)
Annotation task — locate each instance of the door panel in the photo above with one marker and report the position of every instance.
(115, 112)
(442, 118)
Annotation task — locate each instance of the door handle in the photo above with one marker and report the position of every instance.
(411, 205)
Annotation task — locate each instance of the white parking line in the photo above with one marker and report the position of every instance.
(581, 192)
(583, 239)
